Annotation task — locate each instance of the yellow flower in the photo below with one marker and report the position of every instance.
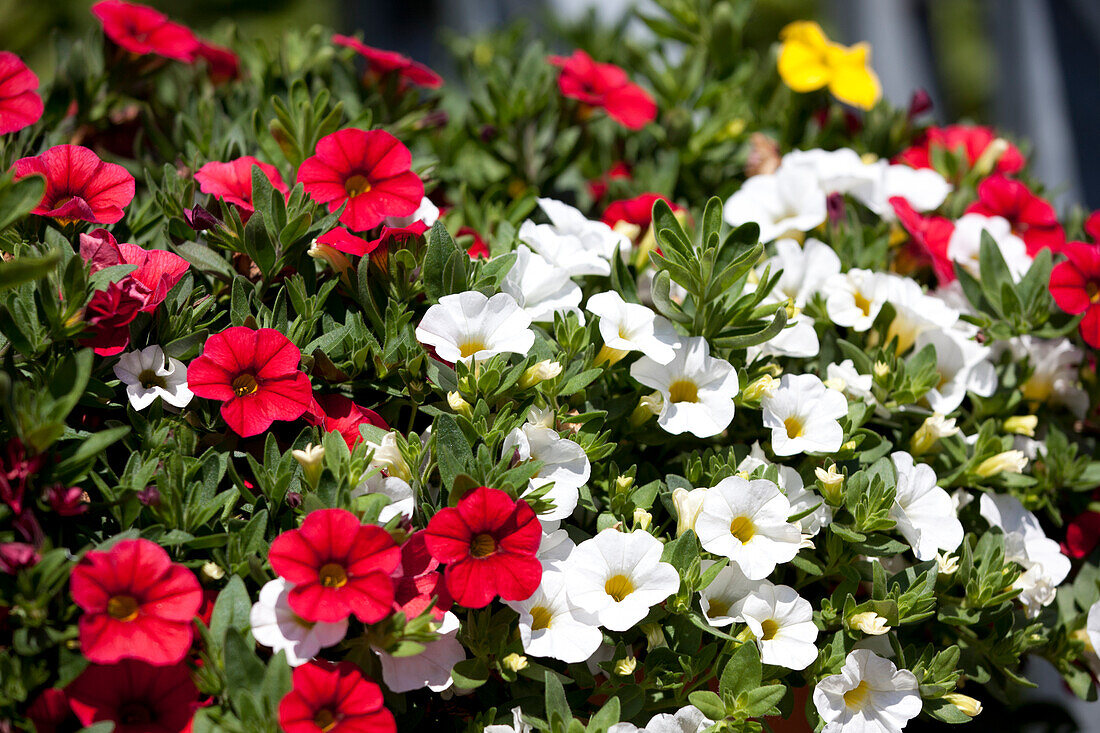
(808, 61)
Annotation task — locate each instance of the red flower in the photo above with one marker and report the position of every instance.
(79, 186)
(338, 567)
(1082, 535)
(930, 236)
(336, 412)
(1032, 218)
(381, 63)
(137, 604)
(606, 86)
(68, 502)
(1092, 227)
(20, 104)
(50, 712)
(137, 697)
(417, 580)
(157, 271)
(368, 170)
(478, 248)
(15, 471)
(140, 30)
(334, 698)
(224, 64)
(489, 542)
(232, 181)
(598, 187)
(16, 556)
(1075, 285)
(637, 211)
(109, 314)
(255, 375)
(971, 140)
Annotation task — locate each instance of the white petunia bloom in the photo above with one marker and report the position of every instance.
(803, 416)
(843, 377)
(698, 389)
(629, 327)
(746, 521)
(548, 626)
(571, 241)
(965, 244)
(924, 512)
(426, 212)
(1055, 365)
(801, 498)
(540, 288)
(782, 622)
(388, 474)
(806, 268)
(471, 327)
(923, 188)
(870, 695)
(915, 312)
(1092, 627)
(689, 719)
(963, 365)
(275, 625)
(1028, 546)
(616, 577)
(554, 549)
(688, 505)
(779, 202)
(720, 600)
(147, 375)
(517, 726)
(564, 464)
(853, 299)
(430, 668)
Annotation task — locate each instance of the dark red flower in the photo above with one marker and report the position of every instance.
(333, 698)
(255, 375)
(381, 63)
(1075, 285)
(920, 102)
(598, 187)
(418, 579)
(1032, 218)
(16, 556)
(637, 211)
(478, 248)
(141, 30)
(338, 567)
(20, 104)
(232, 181)
(68, 502)
(970, 140)
(15, 471)
(157, 271)
(51, 713)
(136, 697)
(108, 315)
(606, 86)
(137, 604)
(1092, 227)
(1082, 535)
(369, 170)
(224, 65)
(79, 186)
(489, 543)
(206, 608)
(929, 236)
(340, 413)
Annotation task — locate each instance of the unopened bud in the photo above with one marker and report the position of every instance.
(642, 519)
(1010, 461)
(760, 388)
(946, 563)
(991, 156)
(689, 504)
(625, 666)
(831, 482)
(648, 406)
(881, 369)
(869, 623)
(539, 372)
(312, 461)
(930, 432)
(334, 257)
(609, 355)
(212, 571)
(623, 484)
(459, 405)
(514, 662)
(654, 636)
(1022, 425)
(968, 705)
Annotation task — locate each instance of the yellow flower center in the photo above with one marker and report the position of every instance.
(245, 384)
(863, 303)
(1092, 289)
(743, 529)
(540, 618)
(149, 378)
(470, 347)
(856, 697)
(333, 575)
(683, 390)
(718, 607)
(769, 629)
(618, 587)
(794, 426)
(122, 608)
(483, 545)
(356, 185)
(324, 719)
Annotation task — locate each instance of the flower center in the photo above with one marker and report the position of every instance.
(149, 379)
(483, 545)
(470, 347)
(794, 426)
(135, 713)
(856, 698)
(245, 384)
(743, 529)
(718, 607)
(618, 587)
(333, 575)
(122, 608)
(683, 390)
(540, 618)
(324, 719)
(1092, 289)
(863, 304)
(356, 185)
(769, 629)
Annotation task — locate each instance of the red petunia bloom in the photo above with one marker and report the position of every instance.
(66, 501)
(477, 249)
(369, 170)
(1082, 535)
(20, 104)
(338, 567)
(418, 579)
(930, 236)
(336, 412)
(79, 186)
(380, 63)
(16, 469)
(137, 604)
(51, 713)
(255, 374)
(489, 543)
(1092, 227)
(142, 30)
(598, 187)
(109, 314)
(606, 86)
(1032, 218)
(157, 271)
(224, 65)
(232, 181)
(972, 140)
(136, 697)
(1075, 285)
(637, 211)
(16, 556)
(334, 698)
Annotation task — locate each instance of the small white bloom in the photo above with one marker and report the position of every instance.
(689, 719)
(923, 188)
(801, 498)
(688, 505)
(853, 299)
(1092, 627)
(915, 312)
(964, 246)
(1055, 366)
(803, 416)
(806, 268)
(388, 474)
(275, 625)
(616, 577)
(517, 726)
(147, 375)
(554, 549)
(548, 626)
(779, 202)
(571, 241)
(468, 326)
(426, 212)
(924, 512)
(721, 599)
(963, 365)
(869, 695)
(430, 668)
(540, 288)
(632, 327)
(782, 622)
(746, 521)
(564, 464)
(844, 378)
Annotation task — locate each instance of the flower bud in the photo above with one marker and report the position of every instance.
(623, 484)
(539, 372)
(459, 405)
(930, 432)
(869, 623)
(642, 519)
(1010, 461)
(1022, 425)
(688, 505)
(761, 387)
(968, 705)
(946, 563)
(609, 355)
(212, 571)
(654, 636)
(832, 484)
(514, 662)
(648, 406)
(625, 666)
(312, 461)
(334, 257)
(881, 370)
(149, 496)
(990, 156)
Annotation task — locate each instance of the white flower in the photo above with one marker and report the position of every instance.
(802, 414)
(388, 474)
(915, 312)
(870, 695)
(540, 288)
(632, 327)
(689, 719)
(698, 390)
(571, 241)
(746, 521)
(548, 627)
(554, 549)
(924, 512)
(1027, 545)
(806, 269)
(801, 498)
(615, 577)
(275, 625)
(688, 505)
(832, 171)
(564, 464)
(782, 622)
(426, 212)
(517, 726)
(147, 375)
(1055, 365)
(853, 299)
(430, 668)
(843, 377)
(720, 600)
(963, 366)
(923, 188)
(468, 326)
(964, 246)
(779, 202)
(1092, 627)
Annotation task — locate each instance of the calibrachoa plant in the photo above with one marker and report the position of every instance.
(664, 384)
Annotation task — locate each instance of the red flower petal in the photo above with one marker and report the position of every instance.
(20, 105)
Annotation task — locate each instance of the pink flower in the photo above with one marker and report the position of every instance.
(79, 186)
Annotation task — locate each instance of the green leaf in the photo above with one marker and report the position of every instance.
(18, 198)
(709, 703)
(231, 610)
(761, 700)
(469, 674)
(556, 704)
(443, 266)
(204, 259)
(25, 269)
(742, 672)
(452, 448)
(606, 717)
